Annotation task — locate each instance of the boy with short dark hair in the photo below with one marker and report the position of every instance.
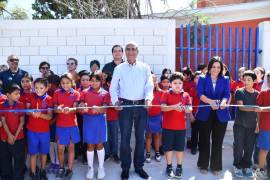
(12, 137)
(244, 126)
(38, 128)
(175, 103)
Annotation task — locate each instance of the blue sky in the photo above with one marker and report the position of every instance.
(158, 5)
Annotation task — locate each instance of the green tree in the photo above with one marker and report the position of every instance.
(15, 13)
(18, 13)
(49, 9)
(64, 9)
(3, 4)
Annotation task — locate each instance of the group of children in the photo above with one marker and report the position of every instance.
(59, 115)
(251, 128)
(51, 117)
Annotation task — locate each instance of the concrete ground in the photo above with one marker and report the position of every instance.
(157, 169)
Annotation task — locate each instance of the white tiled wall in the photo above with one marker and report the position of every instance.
(57, 40)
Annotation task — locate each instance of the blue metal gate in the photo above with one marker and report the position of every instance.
(202, 42)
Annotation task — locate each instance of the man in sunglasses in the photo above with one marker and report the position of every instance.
(132, 85)
(44, 69)
(14, 74)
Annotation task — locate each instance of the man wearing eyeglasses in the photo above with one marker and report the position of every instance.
(14, 74)
(44, 68)
(132, 85)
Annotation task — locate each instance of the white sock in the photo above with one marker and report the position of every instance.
(101, 156)
(90, 158)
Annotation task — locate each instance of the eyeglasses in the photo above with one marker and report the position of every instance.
(13, 60)
(45, 68)
(70, 63)
(131, 49)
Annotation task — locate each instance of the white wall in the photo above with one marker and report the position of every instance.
(56, 40)
(264, 37)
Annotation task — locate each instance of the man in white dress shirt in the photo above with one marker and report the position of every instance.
(132, 84)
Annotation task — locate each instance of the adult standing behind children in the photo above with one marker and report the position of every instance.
(213, 89)
(111, 146)
(45, 69)
(132, 84)
(72, 65)
(14, 74)
(117, 53)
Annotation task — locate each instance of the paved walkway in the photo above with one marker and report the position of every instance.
(157, 170)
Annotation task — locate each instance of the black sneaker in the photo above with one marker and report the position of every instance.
(116, 158)
(33, 176)
(193, 151)
(68, 174)
(148, 157)
(43, 175)
(142, 173)
(178, 173)
(60, 174)
(189, 145)
(161, 151)
(157, 157)
(106, 157)
(125, 174)
(84, 159)
(169, 172)
(25, 169)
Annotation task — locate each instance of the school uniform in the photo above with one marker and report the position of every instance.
(3, 98)
(111, 146)
(94, 124)
(263, 141)
(234, 85)
(174, 123)
(187, 85)
(38, 133)
(81, 147)
(25, 98)
(155, 115)
(12, 156)
(194, 125)
(258, 86)
(66, 124)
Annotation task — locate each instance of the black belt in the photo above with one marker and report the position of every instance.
(132, 102)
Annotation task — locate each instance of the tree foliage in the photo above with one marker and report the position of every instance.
(3, 4)
(18, 13)
(65, 9)
(14, 13)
